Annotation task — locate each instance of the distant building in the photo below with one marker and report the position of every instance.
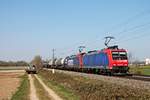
(147, 61)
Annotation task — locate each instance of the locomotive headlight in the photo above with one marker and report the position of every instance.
(114, 64)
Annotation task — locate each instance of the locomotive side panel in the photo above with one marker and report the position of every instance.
(96, 60)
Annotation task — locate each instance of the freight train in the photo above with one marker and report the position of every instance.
(110, 61)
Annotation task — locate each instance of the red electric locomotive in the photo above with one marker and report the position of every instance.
(110, 60)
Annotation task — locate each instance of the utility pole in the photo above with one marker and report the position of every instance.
(53, 50)
(53, 56)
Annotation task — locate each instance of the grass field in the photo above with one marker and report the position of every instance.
(65, 93)
(12, 67)
(42, 94)
(143, 70)
(23, 91)
(80, 88)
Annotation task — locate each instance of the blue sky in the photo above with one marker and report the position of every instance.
(35, 27)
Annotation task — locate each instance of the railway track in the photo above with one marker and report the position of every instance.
(138, 77)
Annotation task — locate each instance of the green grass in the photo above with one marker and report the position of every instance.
(23, 91)
(146, 71)
(63, 92)
(143, 70)
(42, 94)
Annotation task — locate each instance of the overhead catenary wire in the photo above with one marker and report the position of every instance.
(121, 35)
(133, 33)
(133, 28)
(129, 20)
(135, 37)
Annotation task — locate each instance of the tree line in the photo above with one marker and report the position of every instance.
(13, 63)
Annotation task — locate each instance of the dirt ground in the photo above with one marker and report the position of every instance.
(33, 95)
(50, 92)
(9, 81)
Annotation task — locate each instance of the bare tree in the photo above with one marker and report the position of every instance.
(37, 61)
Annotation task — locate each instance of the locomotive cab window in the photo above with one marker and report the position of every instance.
(119, 55)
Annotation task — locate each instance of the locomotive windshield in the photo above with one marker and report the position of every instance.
(119, 55)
